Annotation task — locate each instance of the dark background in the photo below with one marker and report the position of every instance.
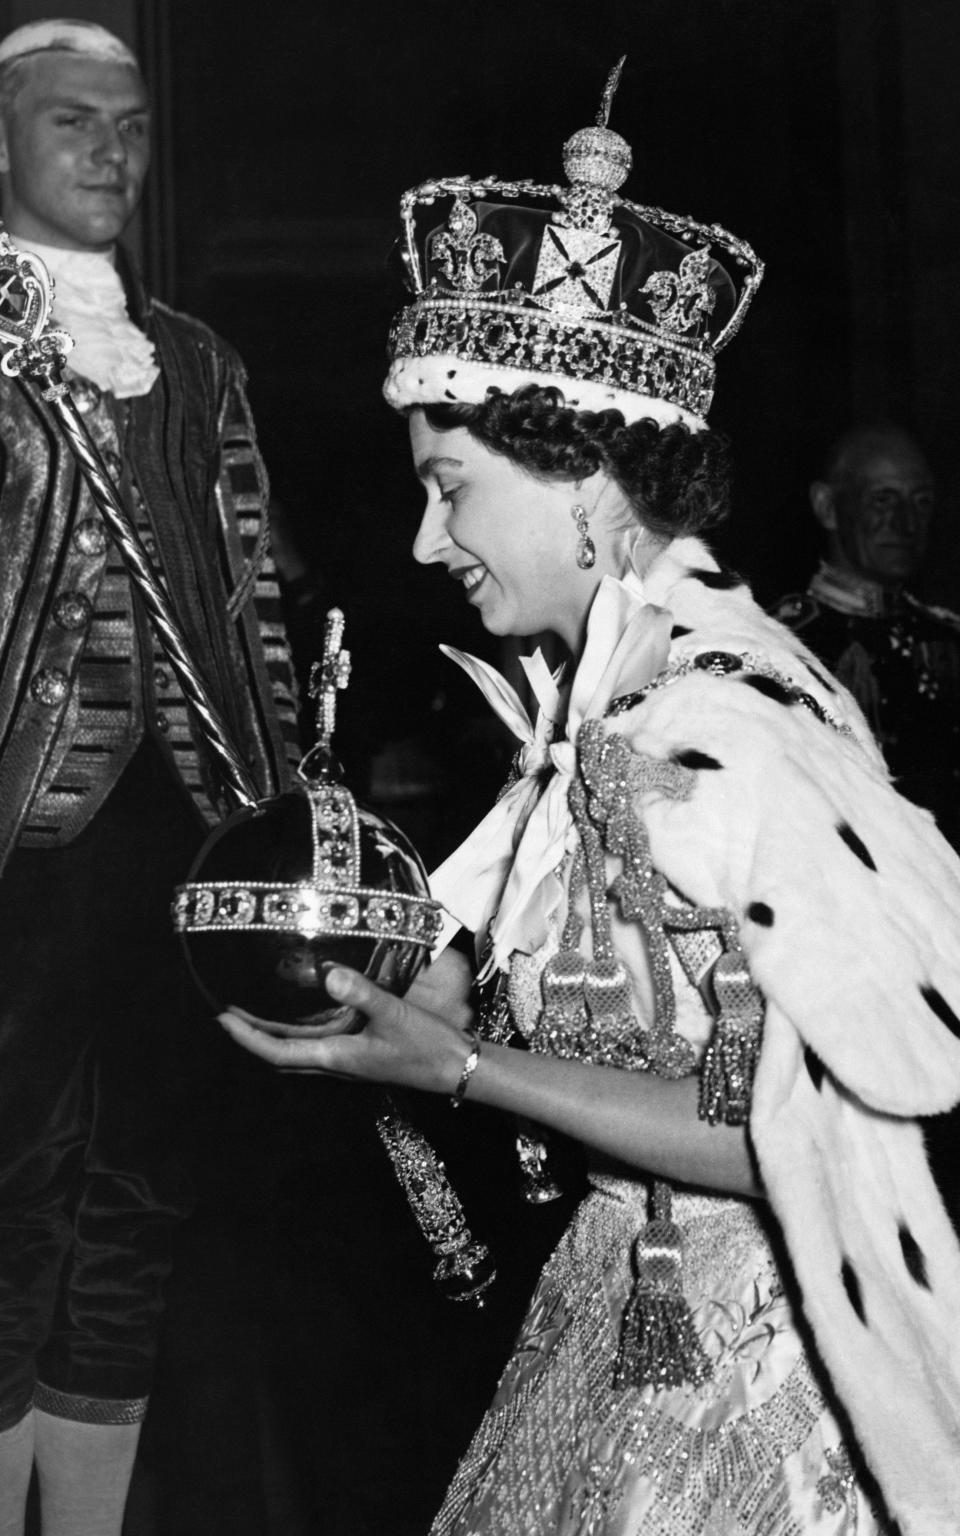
(825, 133)
(284, 244)
(310, 1380)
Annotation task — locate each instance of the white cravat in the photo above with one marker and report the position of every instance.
(90, 303)
(508, 864)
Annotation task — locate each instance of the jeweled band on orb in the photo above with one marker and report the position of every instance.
(219, 906)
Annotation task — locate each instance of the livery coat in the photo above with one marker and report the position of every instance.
(189, 448)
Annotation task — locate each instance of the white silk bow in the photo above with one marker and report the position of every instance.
(508, 864)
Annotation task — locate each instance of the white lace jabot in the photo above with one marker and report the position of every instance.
(90, 303)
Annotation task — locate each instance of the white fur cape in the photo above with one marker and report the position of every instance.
(848, 902)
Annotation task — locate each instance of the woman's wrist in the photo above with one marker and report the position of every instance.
(466, 1071)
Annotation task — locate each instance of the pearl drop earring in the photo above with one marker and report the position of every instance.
(586, 549)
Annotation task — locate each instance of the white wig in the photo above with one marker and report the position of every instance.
(65, 35)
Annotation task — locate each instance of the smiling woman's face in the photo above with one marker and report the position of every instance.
(510, 539)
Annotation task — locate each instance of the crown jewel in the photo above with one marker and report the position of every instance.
(617, 304)
(341, 882)
(597, 159)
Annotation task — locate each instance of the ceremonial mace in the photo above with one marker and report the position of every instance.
(342, 883)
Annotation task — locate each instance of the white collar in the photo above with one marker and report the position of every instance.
(90, 303)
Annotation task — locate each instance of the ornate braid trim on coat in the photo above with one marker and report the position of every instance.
(190, 448)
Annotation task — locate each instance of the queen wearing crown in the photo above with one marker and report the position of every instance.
(713, 943)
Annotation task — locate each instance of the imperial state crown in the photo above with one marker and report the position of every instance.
(617, 304)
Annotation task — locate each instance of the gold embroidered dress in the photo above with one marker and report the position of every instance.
(715, 694)
(562, 1450)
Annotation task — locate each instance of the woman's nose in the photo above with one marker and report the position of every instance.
(432, 538)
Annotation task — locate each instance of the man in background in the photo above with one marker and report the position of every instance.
(106, 788)
(898, 656)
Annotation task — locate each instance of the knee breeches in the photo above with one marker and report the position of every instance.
(97, 1030)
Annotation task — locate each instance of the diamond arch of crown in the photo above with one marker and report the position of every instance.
(681, 225)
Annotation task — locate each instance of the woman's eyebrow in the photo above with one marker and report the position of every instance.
(436, 461)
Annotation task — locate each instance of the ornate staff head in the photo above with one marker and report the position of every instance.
(26, 300)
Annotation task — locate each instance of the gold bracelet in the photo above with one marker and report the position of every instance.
(469, 1067)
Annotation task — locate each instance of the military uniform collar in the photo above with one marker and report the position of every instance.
(852, 593)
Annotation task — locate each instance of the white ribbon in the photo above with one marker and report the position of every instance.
(508, 864)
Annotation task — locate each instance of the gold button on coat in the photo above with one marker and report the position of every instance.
(90, 536)
(50, 686)
(72, 610)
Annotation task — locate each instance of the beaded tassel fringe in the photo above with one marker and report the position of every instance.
(730, 1061)
(659, 1344)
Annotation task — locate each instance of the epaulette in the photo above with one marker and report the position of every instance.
(933, 611)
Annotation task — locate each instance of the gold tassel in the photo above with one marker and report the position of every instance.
(730, 1060)
(560, 1025)
(659, 1344)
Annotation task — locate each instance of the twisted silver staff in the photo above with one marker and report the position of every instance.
(32, 351)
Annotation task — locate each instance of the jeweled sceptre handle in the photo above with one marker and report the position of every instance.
(31, 351)
(464, 1267)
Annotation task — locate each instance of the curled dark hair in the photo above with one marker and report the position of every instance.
(677, 481)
